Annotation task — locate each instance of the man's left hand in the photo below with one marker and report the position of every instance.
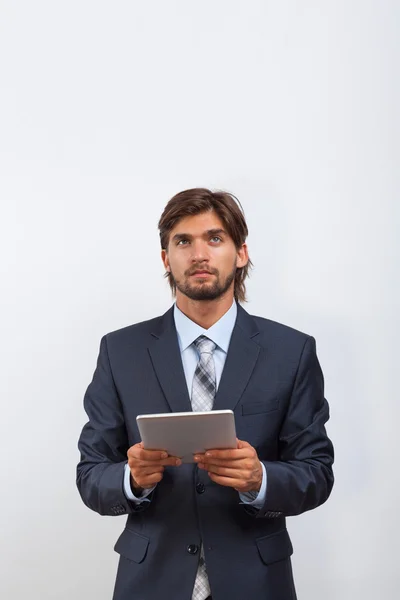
(238, 468)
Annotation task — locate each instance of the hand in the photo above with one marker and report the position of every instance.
(147, 466)
(238, 468)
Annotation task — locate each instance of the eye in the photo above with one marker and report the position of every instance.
(182, 242)
(215, 239)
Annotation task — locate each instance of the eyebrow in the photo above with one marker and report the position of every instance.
(208, 233)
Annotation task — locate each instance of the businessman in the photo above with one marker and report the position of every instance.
(216, 528)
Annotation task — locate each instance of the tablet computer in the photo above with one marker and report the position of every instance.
(184, 434)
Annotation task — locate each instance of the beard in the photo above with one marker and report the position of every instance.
(203, 289)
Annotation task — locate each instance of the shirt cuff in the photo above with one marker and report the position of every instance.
(128, 490)
(256, 499)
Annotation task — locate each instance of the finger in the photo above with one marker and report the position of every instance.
(142, 471)
(246, 463)
(152, 455)
(230, 473)
(243, 449)
(148, 480)
(234, 454)
(243, 444)
(227, 481)
(139, 451)
(171, 461)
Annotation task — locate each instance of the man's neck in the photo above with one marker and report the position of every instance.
(204, 312)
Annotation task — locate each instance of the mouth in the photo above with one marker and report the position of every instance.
(200, 274)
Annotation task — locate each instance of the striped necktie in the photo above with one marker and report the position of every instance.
(203, 393)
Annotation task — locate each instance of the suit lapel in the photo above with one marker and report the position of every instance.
(240, 362)
(167, 362)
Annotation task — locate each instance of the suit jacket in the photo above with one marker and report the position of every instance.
(273, 382)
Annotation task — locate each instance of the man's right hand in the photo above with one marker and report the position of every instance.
(147, 466)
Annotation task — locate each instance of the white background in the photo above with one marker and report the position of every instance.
(107, 110)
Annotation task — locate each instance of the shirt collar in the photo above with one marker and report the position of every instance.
(220, 333)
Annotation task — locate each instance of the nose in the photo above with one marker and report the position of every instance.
(199, 251)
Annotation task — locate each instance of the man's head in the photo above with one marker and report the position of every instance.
(203, 235)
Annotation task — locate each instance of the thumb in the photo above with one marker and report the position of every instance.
(242, 444)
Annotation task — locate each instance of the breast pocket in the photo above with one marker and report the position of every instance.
(259, 407)
(258, 419)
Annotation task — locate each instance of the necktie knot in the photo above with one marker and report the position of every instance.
(204, 345)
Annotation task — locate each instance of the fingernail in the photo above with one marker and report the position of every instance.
(178, 462)
(164, 455)
(197, 457)
(208, 454)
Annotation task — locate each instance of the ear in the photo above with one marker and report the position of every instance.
(242, 256)
(164, 258)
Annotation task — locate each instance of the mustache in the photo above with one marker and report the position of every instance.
(193, 270)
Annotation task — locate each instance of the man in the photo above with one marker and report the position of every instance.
(215, 528)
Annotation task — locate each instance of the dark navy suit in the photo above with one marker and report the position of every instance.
(273, 382)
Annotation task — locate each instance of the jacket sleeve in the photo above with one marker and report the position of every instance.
(103, 445)
(302, 478)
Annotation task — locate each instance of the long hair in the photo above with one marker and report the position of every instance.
(199, 200)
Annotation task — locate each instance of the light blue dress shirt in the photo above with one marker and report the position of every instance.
(220, 333)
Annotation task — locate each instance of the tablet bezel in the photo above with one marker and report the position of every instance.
(208, 430)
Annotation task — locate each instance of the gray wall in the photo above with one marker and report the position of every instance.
(109, 108)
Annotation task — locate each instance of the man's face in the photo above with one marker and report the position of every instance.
(202, 257)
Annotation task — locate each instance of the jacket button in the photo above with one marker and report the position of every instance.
(200, 488)
(192, 549)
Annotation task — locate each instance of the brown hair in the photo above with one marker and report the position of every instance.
(229, 210)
